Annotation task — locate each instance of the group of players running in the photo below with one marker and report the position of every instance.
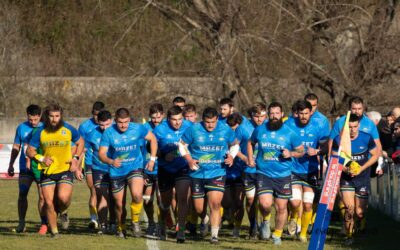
(222, 162)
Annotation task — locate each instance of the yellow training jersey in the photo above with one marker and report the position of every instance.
(57, 145)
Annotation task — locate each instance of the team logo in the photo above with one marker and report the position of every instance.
(63, 132)
(116, 141)
(302, 132)
(365, 129)
(273, 135)
(310, 135)
(169, 136)
(264, 136)
(286, 186)
(201, 138)
(281, 138)
(362, 147)
(222, 139)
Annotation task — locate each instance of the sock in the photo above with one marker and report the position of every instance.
(136, 208)
(221, 211)
(253, 222)
(93, 213)
(277, 233)
(267, 217)
(205, 220)
(299, 222)
(54, 230)
(314, 210)
(305, 221)
(43, 220)
(214, 232)
(342, 209)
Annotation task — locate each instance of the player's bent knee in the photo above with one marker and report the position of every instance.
(308, 197)
(251, 194)
(296, 194)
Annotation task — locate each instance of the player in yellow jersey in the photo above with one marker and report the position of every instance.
(56, 163)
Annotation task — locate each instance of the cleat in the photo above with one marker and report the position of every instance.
(112, 229)
(121, 234)
(42, 229)
(276, 240)
(136, 230)
(292, 227)
(21, 228)
(204, 226)
(348, 241)
(192, 229)
(55, 235)
(64, 221)
(214, 240)
(265, 230)
(93, 224)
(236, 232)
(102, 230)
(253, 233)
(180, 236)
(151, 232)
(162, 233)
(303, 239)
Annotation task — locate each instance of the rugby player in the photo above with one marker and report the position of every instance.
(305, 169)
(355, 184)
(28, 171)
(57, 163)
(120, 147)
(172, 170)
(156, 113)
(84, 129)
(179, 101)
(100, 171)
(277, 144)
(189, 113)
(205, 147)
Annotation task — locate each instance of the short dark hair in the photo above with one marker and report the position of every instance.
(295, 106)
(33, 109)
(274, 105)
(302, 105)
(98, 106)
(355, 100)
(354, 118)
(234, 119)
(104, 115)
(310, 96)
(189, 108)
(257, 108)
(156, 108)
(178, 99)
(174, 110)
(209, 113)
(226, 101)
(122, 113)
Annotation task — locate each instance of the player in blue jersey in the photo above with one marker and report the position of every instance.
(172, 170)
(26, 171)
(84, 129)
(305, 169)
(179, 101)
(189, 113)
(207, 146)
(227, 108)
(277, 145)
(317, 116)
(355, 185)
(120, 148)
(100, 171)
(156, 114)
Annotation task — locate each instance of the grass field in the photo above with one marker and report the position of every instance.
(383, 232)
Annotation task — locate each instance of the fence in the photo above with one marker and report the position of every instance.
(385, 191)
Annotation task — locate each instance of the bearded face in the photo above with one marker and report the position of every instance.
(275, 118)
(54, 121)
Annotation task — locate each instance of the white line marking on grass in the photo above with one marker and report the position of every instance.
(152, 244)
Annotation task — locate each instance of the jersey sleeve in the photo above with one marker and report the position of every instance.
(254, 135)
(187, 136)
(143, 131)
(335, 144)
(335, 130)
(74, 133)
(89, 150)
(374, 132)
(105, 139)
(18, 137)
(231, 136)
(371, 143)
(81, 129)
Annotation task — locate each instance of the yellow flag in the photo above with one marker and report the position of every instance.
(345, 142)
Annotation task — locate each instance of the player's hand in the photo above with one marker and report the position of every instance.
(78, 175)
(116, 163)
(286, 153)
(193, 164)
(74, 165)
(379, 171)
(229, 160)
(312, 151)
(10, 171)
(244, 159)
(252, 163)
(150, 166)
(47, 161)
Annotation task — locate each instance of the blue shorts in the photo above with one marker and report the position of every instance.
(307, 180)
(88, 169)
(29, 174)
(66, 177)
(119, 183)
(278, 187)
(167, 180)
(200, 187)
(100, 178)
(359, 184)
(249, 181)
(233, 182)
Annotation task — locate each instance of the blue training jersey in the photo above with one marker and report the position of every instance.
(146, 155)
(168, 138)
(126, 146)
(310, 136)
(366, 126)
(360, 150)
(321, 120)
(209, 148)
(270, 145)
(22, 136)
(92, 145)
(85, 128)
